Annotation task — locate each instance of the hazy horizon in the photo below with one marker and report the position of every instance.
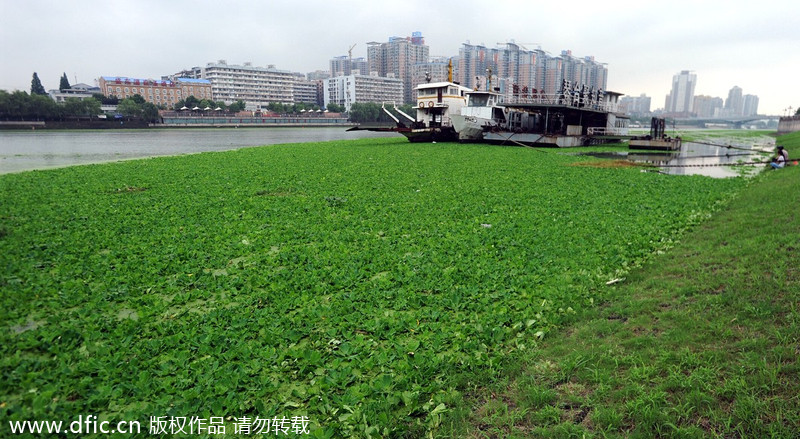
(727, 44)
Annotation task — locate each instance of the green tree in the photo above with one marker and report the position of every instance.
(106, 100)
(192, 102)
(150, 112)
(36, 86)
(139, 99)
(129, 108)
(64, 84)
(74, 107)
(236, 106)
(41, 107)
(335, 108)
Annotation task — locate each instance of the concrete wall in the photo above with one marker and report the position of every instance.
(789, 124)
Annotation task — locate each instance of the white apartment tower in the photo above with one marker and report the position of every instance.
(681, 98)
(750, 105)
(735, 103)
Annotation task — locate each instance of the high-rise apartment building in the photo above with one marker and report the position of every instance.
(345, 66)
(516, 69)
(750, 105)
(347, 90)
(396, 58)
(706, 106)
(584, 71)
(635, 105)
(681, 98)
(436, 70)
(735, 103)
(256, 86)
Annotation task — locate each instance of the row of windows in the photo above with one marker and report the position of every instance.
(149, 91)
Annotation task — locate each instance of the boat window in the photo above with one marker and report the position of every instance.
(478, 101)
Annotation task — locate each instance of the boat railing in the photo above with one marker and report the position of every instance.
(561, 99)
(606, 131)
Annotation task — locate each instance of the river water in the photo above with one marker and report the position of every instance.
(29, 150)
(713, 157)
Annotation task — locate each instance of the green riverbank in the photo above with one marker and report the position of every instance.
(703, 341)
(370, 287)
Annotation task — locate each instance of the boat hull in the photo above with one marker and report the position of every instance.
(470, 128)
(439, 134)
(533, 139)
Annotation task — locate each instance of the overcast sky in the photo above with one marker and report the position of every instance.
(752, 44)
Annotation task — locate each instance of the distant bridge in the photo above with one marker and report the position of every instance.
(735, 121)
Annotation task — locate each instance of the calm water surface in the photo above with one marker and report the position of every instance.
(28, 150)
(709, 157)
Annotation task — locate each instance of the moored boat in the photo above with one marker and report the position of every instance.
(575, 116)
(482, 113)
(436, 103)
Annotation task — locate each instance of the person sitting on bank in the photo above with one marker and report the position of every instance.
(781, 159)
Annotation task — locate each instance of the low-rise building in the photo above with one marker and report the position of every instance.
(256, 86)
(347, 90)
(307, 92)
(78, 91)
(162, 92)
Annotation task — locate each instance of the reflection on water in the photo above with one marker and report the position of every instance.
(710, 157)
(27, 150)
(717, 157)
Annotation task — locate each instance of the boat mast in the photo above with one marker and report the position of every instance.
(450, 70)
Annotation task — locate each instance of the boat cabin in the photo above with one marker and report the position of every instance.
(437, 100)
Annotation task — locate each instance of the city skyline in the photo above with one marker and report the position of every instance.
(725, 43)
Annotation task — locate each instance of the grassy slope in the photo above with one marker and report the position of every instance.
(701, 342)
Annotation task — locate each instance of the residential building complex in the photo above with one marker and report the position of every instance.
(347, 90)
(436, 70)
(635, 105)
(396, 58)
(305, 91)
(707, 106)
(163, 92)
(256, 86)
(345, 66)
(518, 70)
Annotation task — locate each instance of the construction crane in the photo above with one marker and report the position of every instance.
(350, 54)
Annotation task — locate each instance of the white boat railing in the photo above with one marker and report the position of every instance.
(574, 101)
(605, 131)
